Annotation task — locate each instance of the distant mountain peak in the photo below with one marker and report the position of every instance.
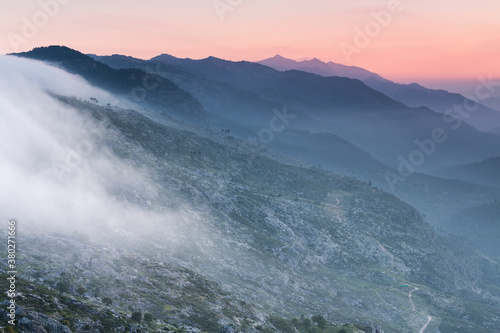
(314, 61)
(319, 67)
(278, 56)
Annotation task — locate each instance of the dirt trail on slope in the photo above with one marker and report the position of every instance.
(429, 319)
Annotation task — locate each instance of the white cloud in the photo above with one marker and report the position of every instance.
(42, 138)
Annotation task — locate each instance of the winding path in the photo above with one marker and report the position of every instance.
(429, 319)
(411, 301)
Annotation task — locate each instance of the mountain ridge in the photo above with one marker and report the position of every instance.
(132, 83)
(232, 104)
(413, 94)
(319, 67)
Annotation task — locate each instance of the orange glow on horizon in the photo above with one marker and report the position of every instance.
(423, 40)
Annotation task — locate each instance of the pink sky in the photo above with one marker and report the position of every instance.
(425, 40)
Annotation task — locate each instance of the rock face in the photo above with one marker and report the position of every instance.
(226, 329)
(41, 323)
(34, 322)
(377, 329)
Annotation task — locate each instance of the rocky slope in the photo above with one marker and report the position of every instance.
(295, 241)
(70, 284)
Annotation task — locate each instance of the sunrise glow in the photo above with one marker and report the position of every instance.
(420, 40)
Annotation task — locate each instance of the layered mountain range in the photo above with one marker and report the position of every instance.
(414, 95)
(301, 191)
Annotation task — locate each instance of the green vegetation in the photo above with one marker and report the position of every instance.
(81, 290)
(315, 324)
(107, 301)
(69, 310)
(148, 318)
(136, 316)
(10, 329)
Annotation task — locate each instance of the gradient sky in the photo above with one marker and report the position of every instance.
(430, 40)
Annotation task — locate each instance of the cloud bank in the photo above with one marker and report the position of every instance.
(56, 170)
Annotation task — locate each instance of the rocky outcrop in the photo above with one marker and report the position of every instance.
(30, 321)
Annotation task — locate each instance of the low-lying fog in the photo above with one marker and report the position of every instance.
(56, 173)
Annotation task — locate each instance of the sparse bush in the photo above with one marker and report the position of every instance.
(306, 322)
(137, 316)
(281, 324)
(148, 318)
(320, 320)
(107, 301)
(81, 290)
(63, 286)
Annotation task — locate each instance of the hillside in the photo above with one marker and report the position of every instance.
(307, 231)
(480, 224)
(98, 288)
(483, 173)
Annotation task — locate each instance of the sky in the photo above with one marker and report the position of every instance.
(426, 41)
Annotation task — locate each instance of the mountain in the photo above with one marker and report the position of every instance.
(370, 120)
(314, 143)
(255, 78)
(135, 84)
(319, 67)
(414, 95)
(293, 239)
(485, 172)
(204, 230)
(493, 102)
(483, 118)
(121, 185)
